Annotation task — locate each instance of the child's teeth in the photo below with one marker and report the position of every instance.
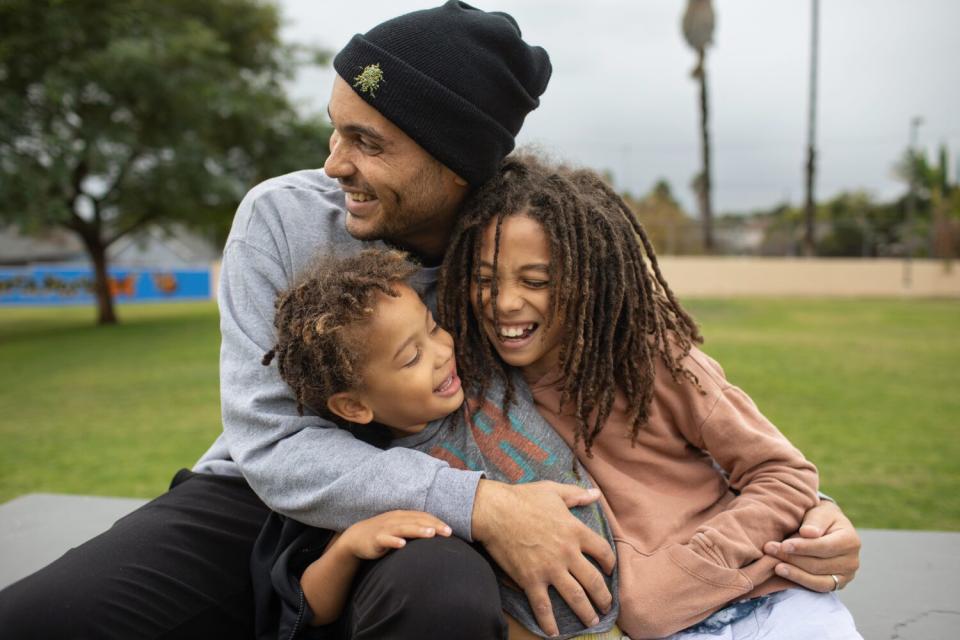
(515, 332)
(445, 384)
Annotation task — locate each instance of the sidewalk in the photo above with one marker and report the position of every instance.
(907, 589)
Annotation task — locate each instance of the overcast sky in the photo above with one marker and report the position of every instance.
(622, 99)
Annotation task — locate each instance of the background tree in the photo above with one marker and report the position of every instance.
(119, 115)
(935, 203)
(671, 230)
(698, 24)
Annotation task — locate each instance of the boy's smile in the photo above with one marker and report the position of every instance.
(523, 335)
(410, 374)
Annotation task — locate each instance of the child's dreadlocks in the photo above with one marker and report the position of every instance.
(318, 351)
(606, 287)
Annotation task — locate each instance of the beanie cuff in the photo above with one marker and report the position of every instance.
(438, 119)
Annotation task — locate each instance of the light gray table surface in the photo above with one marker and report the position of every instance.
(908, 587)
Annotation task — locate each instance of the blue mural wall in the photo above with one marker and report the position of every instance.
(66, 285)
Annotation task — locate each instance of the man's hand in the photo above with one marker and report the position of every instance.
(529, 531)
(827, 544)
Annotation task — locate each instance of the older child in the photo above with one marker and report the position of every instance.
(565, 287)
(357, 345)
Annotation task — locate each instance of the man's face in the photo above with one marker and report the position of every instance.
(395, 190)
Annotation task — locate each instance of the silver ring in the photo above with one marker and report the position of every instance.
(836, 582)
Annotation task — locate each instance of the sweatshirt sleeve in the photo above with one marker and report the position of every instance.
(303, 466)
(681, 584)
(776, 485)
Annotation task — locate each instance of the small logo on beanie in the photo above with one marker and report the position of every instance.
(369, 79)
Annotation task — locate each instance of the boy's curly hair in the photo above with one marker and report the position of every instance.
(605, 286)
(318, 351)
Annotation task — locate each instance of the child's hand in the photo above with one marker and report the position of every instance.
(373, 538)
(326, 581)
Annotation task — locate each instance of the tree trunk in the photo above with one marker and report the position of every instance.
(101, 282)
(704, 187)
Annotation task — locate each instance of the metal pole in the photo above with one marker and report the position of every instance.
(915, 123)
(809, 246)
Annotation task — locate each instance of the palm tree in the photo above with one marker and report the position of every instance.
(698, 23)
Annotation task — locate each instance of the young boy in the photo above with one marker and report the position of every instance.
(357, 345)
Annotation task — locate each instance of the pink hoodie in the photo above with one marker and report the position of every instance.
(689, 541)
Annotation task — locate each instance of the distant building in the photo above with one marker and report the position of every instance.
(155, 248)
(158, 248)
(740, 235)
(58, 246)
(154, 266)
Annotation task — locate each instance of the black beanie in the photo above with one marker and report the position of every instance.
(456, 79)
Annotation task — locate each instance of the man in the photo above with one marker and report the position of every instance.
(425, 107)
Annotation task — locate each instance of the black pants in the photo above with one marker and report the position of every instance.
(178, 567)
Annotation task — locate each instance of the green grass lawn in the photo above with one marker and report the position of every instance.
(105, 410)
(868, 389)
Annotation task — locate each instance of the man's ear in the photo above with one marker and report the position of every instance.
(350, 408)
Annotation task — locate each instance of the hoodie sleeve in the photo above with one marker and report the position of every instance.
(680, 584)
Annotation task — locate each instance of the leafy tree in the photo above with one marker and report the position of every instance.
(852, 224)
(670, 229)
(857, 226)
(936, 204)
(118, 115)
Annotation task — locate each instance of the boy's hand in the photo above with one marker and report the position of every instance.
(326, 581)
(373, 538)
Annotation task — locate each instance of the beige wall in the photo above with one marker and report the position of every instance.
(728, 276)
(733, 276)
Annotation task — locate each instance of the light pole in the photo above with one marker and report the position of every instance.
(915, 123)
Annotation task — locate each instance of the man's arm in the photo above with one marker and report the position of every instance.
(303, 466)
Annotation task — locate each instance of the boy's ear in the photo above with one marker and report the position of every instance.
(350, 408)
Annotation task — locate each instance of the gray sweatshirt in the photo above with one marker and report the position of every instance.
(305, 467)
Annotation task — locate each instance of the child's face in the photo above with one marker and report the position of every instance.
(410, 373)
(523, 338)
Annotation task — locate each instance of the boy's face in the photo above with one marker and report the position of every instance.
(410, 373)
(527, 337)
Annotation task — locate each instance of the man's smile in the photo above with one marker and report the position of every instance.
(357, 196)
